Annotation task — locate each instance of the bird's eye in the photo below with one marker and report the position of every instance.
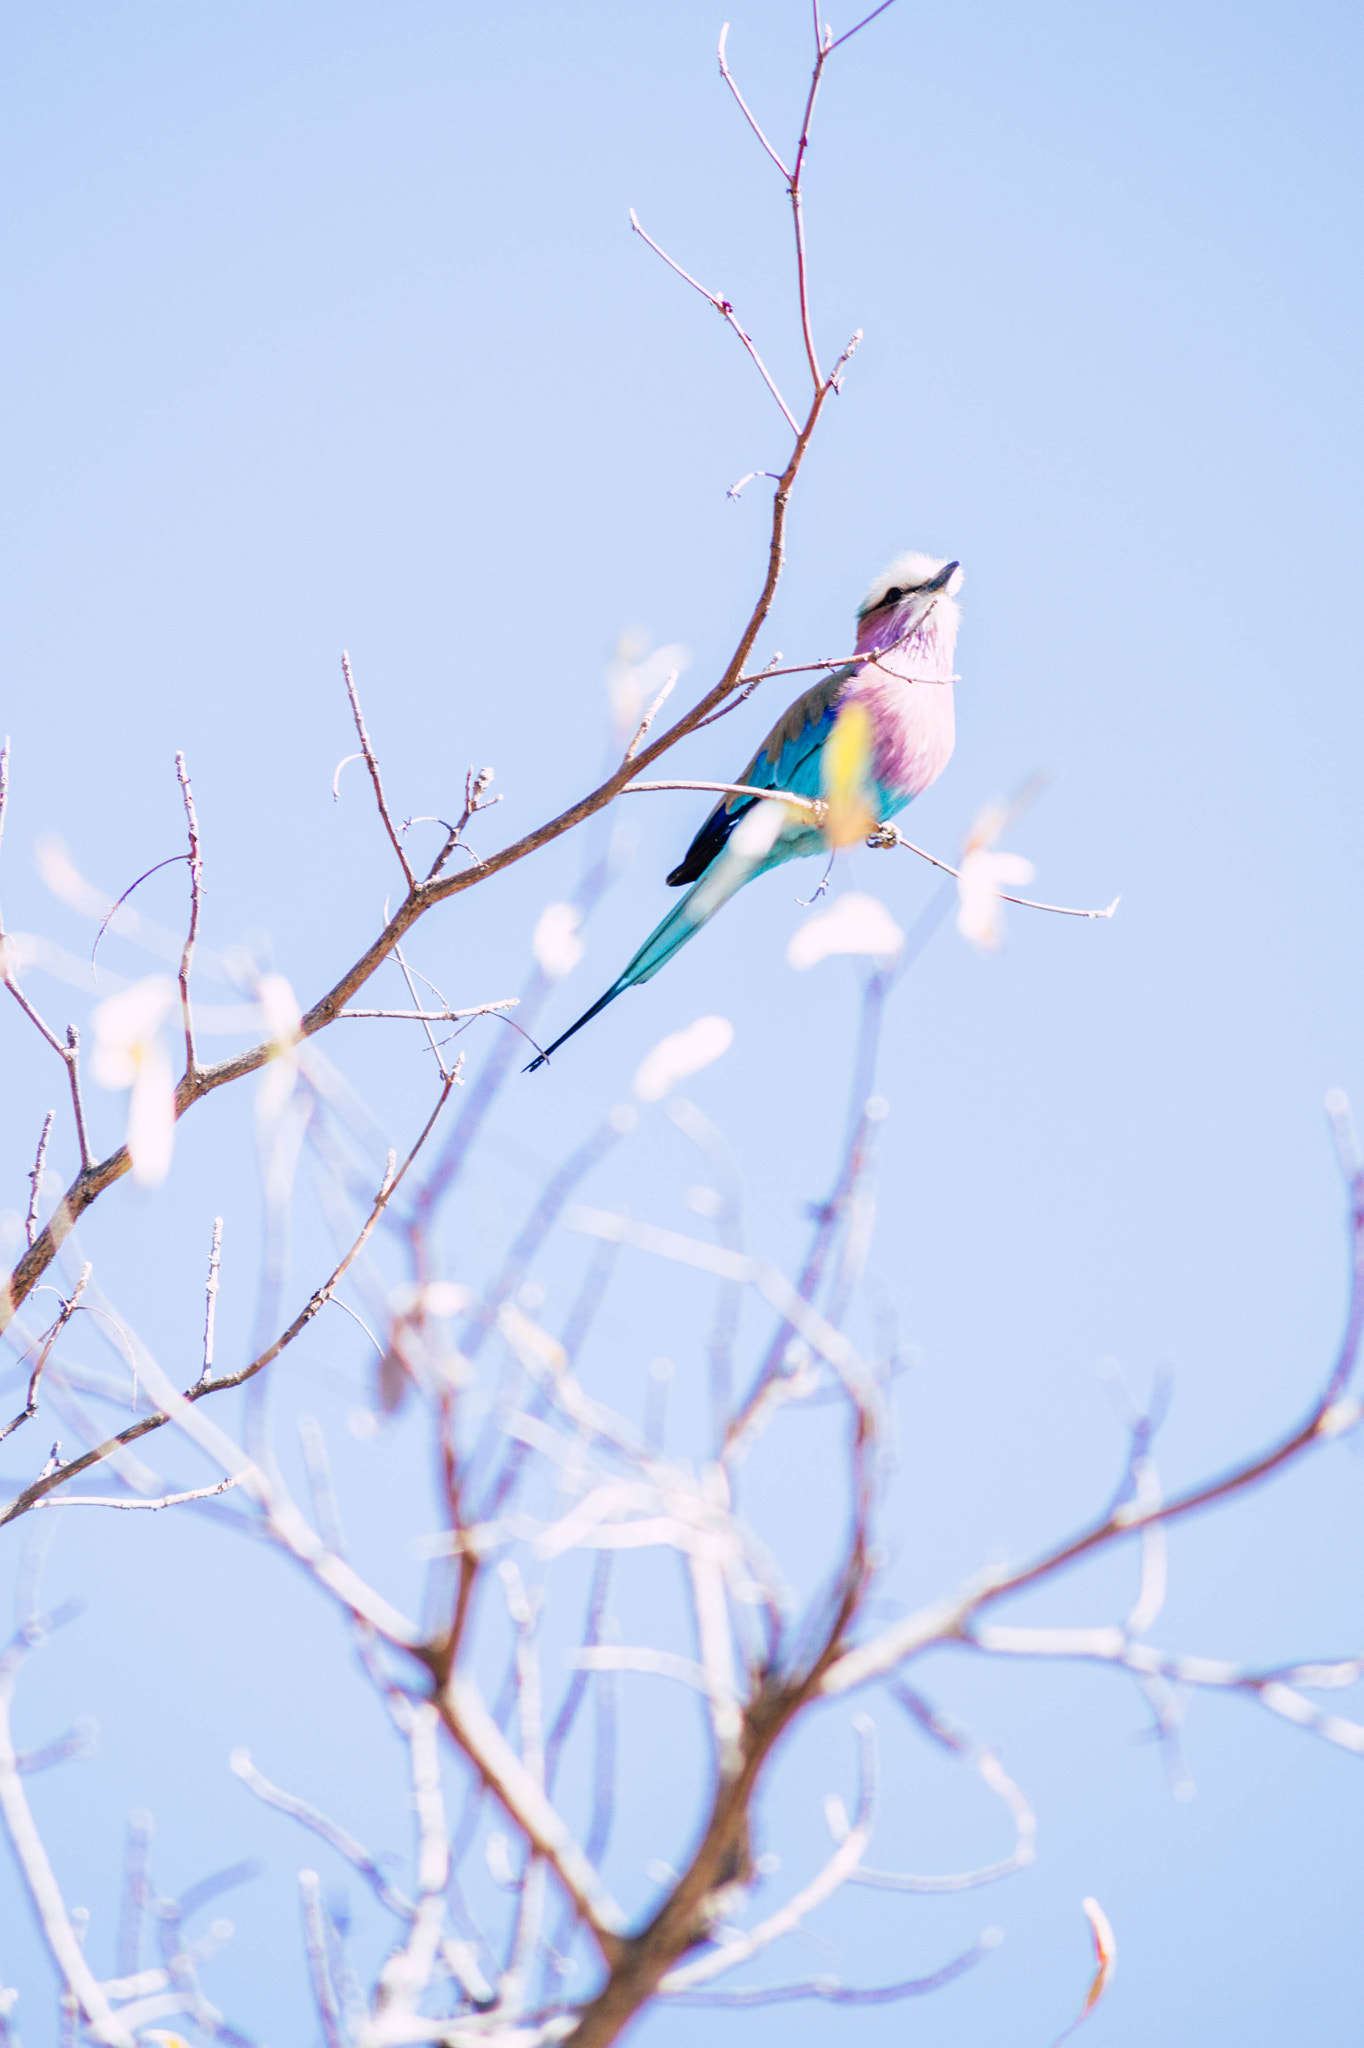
(893, 595)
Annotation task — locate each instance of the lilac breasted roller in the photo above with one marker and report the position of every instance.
(867, 740)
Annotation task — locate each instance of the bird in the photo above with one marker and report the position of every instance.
(866, 739)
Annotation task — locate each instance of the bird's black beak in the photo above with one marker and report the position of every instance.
(943, 577)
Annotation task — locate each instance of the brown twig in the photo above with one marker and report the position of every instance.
(35, 1179)
(894, 837)
(68, 1309)
(211, 1295)
(372, 763)
(72, 1057)
(196, 894)
(813, 804)
(420, 1016)
(727, 313)
(475, 783)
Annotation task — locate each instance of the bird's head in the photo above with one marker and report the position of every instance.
(907, 592)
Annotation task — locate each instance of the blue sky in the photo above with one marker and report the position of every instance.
(323, 327)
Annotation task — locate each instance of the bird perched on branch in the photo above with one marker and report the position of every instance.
(863, 743)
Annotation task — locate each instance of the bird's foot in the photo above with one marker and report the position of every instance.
(884, 835)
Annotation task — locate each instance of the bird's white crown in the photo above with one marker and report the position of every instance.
(908, 572)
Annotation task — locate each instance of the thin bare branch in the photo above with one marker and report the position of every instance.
(372, 763)
(727, 313)
(165, 1500)
(196, 897)
(72, 1058)
(857, 27)
(814, 806)
(420, 1016)
(651, 714)
(68, 1309)
(891, 835)
(744, 108)
(170, 861)
(35, 1178)
(215, 1256)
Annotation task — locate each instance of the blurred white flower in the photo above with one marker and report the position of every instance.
(445, 1298)
(634, 678)
(282, 1018)
(69, 885)
(682, 1053)
(980, 915)
(854, 924)
(129, 1052)
(555, 942)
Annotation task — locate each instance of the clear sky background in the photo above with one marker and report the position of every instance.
(323, 327)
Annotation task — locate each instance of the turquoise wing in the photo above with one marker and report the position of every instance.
(787, 759)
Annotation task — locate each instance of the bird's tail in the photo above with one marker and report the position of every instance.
(682, 921)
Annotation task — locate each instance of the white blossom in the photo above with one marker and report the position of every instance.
(555, 942)
(129, 1052)
(980, 914)
(635, 677)
(282, 1019)
(853, 924)
(681, 1054)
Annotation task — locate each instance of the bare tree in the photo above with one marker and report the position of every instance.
(506, 1929)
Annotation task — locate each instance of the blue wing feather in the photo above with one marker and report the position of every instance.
(789, 758)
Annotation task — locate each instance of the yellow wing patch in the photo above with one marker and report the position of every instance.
(846, 777)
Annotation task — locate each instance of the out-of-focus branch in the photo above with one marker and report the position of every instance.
(407, 1972)
(836, 1872)
(1332, 1414)
(999, 1782)
(473, 1728)
(318, 1824)
(39, 1878)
